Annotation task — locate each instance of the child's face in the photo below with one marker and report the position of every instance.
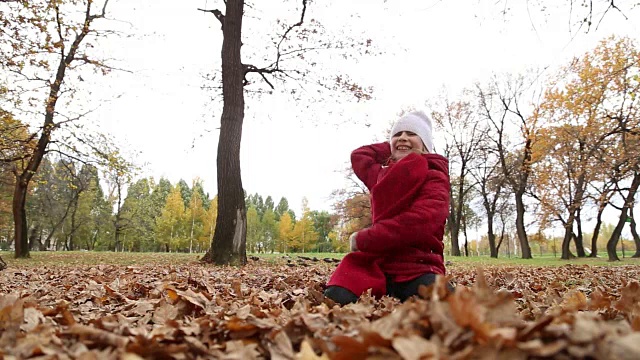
(404, 143)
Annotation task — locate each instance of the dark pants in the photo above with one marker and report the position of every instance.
(400, 290)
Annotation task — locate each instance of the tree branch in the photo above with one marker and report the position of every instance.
(218, 14)
(612, 5)
(275, 66)
(284, 36)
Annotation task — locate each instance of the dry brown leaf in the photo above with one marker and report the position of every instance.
(625, 347)
(239, 350)
(307, 353)
(415, 347)
(11, 317)
(599, 300)
(538, 348)
(280, 347)
(630, 297)
(164, 313)
(253, 312)
(586, 328)
(574, 301)
(98, 336)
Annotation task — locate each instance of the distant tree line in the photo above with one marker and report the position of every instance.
(71, 207)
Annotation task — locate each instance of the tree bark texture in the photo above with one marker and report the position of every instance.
(228, 245)
(522, 233)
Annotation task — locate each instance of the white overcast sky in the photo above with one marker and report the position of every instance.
(287, 150)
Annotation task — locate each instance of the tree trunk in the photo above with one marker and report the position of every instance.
(634, 232)
(193, 223)
(466, 239)
(520, 228)
(568, 236)
(118, 218)
(612, 244)
(454, 230)
(458, 219)
(596, 233)
(72, 237)
(229, 239)
(42, 244)
(33, 237)
(578, 237)
(566, 245)
(20, 217)
(491, 236)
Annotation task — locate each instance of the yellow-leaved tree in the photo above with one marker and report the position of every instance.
(196, 214)
(304, 237)
(170, 224)
(285, 230)
(208, 225)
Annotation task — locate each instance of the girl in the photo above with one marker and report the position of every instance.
(409, 187)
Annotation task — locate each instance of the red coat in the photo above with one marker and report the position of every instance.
(410, 205)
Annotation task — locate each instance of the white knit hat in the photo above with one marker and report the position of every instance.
(417, 122)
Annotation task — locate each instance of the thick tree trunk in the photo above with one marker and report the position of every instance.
(566, 245)
(20, 217)
(229, 240)
(520, 228)
(612, 244)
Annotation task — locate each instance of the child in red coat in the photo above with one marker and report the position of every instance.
(409, 187)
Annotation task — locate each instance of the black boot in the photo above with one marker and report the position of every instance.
(340, 295)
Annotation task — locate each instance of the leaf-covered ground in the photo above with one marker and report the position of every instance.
(276, 310)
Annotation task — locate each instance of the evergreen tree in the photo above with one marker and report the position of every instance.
(283, 207)
(185, 192)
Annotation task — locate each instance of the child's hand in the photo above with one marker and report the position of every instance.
(352, 242)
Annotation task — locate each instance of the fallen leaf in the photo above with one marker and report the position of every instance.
(414, 347)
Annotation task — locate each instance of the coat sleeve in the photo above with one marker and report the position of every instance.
(421, 225)
(367, 162)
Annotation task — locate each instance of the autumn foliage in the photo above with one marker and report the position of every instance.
(277, 311)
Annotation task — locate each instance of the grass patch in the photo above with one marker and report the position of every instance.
(545, 260)
(70, 258)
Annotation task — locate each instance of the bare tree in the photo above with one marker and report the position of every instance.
(492, 190)
(500, 104)
(228, 245)
(465, 135)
